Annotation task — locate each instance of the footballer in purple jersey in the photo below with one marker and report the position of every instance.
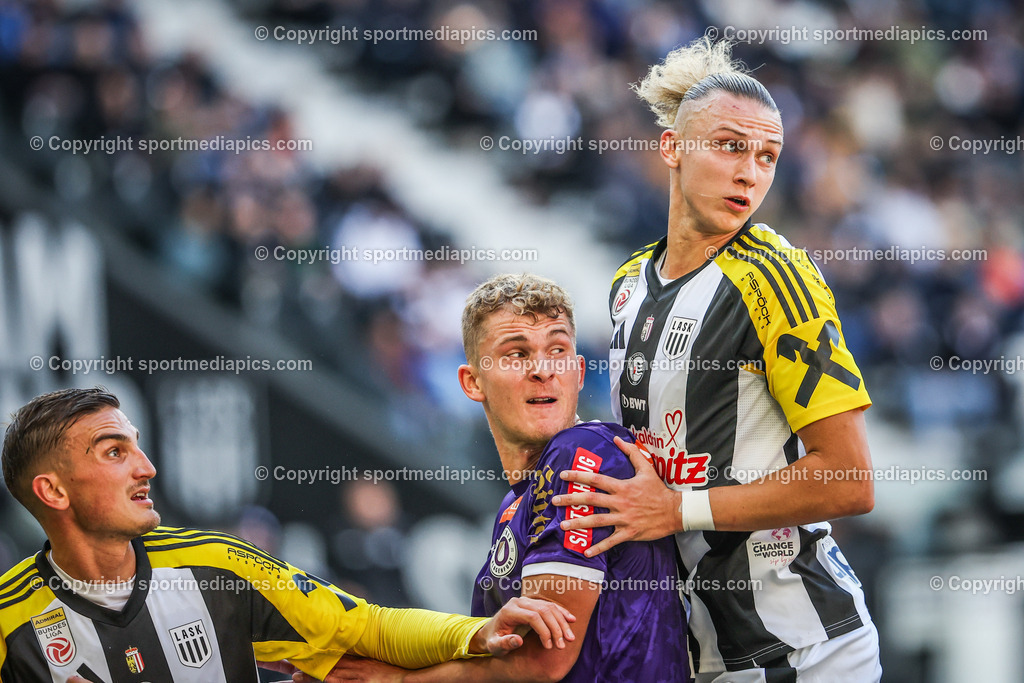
(637, 631)
(522, 367)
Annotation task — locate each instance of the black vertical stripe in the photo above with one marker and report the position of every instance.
(734, 612)
(791, 449)
(25, 661)
(232, 612)
(780, 672)
(141, 633)
(633, 416)
(88, 674)
(835, 607)
(725, 334)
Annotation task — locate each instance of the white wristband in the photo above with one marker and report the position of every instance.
(695, 507)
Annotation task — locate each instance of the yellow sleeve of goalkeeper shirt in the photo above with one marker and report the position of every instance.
(415, 638)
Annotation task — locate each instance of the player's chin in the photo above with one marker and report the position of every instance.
(151, 522)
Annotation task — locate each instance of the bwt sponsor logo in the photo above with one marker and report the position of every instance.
(633, 403)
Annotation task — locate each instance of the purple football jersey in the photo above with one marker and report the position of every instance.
(637, 631)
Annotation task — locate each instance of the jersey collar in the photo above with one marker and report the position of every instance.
(90, 610)
(659, 291)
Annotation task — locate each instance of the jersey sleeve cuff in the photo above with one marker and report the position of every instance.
(573, 571)
(823, 410)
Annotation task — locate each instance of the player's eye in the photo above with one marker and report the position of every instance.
(114, 452)
(767, 158)
(730, 146)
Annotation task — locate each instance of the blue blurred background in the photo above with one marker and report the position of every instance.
(138, 256)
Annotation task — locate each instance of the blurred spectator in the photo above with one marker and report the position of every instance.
(368, 547)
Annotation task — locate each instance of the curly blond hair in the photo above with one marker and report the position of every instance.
(693, 72)
(522, 294)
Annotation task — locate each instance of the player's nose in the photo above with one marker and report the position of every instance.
(144, 467)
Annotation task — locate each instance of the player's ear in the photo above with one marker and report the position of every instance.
(583, 368)
(670, 143)
(470, 384)
(48, 488)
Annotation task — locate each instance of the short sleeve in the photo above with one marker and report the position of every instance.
(550, 550)
(810, 370)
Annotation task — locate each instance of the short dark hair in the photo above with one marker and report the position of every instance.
(36, 431)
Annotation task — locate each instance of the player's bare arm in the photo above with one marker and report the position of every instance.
(548, 619)
(833, 480)
(532, 662)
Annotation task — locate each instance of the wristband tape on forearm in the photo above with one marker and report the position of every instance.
(695, 508)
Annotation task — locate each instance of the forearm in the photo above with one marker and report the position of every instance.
(526, 665)
(413, 638)
(809, 490)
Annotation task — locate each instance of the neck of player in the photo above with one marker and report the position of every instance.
(517, 460)
(95, 560)
(690, 243)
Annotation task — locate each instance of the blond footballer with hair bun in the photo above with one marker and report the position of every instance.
(730, 366)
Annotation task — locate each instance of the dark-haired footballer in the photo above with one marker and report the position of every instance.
(114, 598)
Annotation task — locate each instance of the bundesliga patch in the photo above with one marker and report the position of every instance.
(191, 644)
(627, 288)
(580, 539)
(54, 634)
(134, 660)
(679, 331)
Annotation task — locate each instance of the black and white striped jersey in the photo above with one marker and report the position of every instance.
(204, 607)
(714, 372)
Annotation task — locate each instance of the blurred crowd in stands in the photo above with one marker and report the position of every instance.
(859, 170)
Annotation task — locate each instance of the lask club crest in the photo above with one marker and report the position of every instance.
(192, 644)
(679, 332)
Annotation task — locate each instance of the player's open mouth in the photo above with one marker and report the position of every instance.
(142, 496)
(536, 401)
(739, 203)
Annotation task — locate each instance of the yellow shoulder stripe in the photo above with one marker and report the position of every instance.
(634, 259)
